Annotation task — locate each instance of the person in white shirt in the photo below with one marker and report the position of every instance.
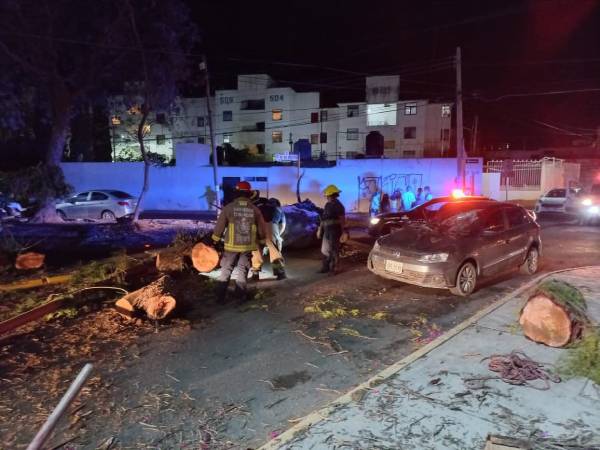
(408, 198)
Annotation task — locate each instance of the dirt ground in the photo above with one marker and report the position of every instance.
(233, 376)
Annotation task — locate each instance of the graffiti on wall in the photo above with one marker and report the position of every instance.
(396, 182)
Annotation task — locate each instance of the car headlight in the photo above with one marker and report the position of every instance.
(375, 220)
(376, 246)
(586, 202)
(434, 258)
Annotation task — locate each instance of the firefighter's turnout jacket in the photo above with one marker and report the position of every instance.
(245, 226)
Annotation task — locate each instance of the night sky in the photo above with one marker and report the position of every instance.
(509, 47)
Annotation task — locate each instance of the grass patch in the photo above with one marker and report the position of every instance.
(583, 359)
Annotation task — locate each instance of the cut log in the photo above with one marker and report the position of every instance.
(169, 260)
(155, 299)
(204, 258)
(555, 314)
(30, 260)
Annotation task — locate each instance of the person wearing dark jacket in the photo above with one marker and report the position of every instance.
(270, 214)
(331, 228)
(244, 230)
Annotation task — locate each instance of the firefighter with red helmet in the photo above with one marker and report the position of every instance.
(243, 226)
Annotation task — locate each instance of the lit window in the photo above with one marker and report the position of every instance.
(200, 121)
(410, 109)
(227, 116)
(116, 120)
(323, 138)
(147, 128)
(381, 114)
(314, 117)
(323, 116)
(445, 134)
(160, 139)
(352, 134)
(276, 137)
(160, 118)
(445, 110)
(314, 139)
(227, 138)
(277, 114)
(352, 111)
(410, 132)
(201, 140)
(389, 145)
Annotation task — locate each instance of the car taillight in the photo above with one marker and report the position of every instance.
(123, 203)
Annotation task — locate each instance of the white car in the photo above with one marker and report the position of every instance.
(561, 200)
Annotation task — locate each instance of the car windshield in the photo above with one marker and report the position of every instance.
(557, 193)
(120, 194)
(455, 216)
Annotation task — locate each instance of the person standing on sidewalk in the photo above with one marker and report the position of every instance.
(244, 230)
(331, 228)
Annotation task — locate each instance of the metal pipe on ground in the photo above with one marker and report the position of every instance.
(44, 432)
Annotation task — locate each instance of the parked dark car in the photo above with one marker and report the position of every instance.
(382, 224)
(105, 204)
(458, 243)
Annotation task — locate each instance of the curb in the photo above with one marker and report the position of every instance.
(322, 413)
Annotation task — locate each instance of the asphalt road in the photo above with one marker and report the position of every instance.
(275, 361)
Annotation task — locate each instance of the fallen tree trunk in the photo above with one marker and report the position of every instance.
(29, 260)
(555, 314)
(155, 299)
(204, 258)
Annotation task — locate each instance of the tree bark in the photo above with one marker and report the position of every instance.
(156, 299)
(555, 314)
(146, 184)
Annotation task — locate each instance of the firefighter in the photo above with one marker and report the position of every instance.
(245, 233)
(269, 213)
(331, 229)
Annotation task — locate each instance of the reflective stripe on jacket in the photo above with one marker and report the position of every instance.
(245, 226)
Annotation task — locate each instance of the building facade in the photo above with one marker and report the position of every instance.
(268, 120)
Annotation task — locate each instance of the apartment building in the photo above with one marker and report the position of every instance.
(268, 120)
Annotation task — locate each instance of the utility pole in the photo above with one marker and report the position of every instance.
(474, 136)
(460, 140)
(213, 148)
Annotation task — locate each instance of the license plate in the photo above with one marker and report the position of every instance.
(393, 266)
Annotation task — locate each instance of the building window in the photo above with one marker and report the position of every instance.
(201, 140)
(160, 118)
(323, 116)
(445, 134)
(409, 153)
(277, 114)
(227, 116)
(352, 111)
(276, 137)
(314, 117)
(389, 145)
(410, 109)
(314, 139)
(381, 114)
(160, 139)
(115, 120)
(227, 138)
(445, 110)
(323, 138)
(200, 121)
(410, 132)
(352, 134)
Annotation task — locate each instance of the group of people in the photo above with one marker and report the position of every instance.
(250, 227)
(399, 200)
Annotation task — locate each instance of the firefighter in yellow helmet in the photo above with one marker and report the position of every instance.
(331, 228)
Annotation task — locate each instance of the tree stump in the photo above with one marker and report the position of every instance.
(204, 258)
(555, 314)
(155, 299)
(29, 260)
(169, 260)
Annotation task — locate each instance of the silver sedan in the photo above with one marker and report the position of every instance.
(107, 205)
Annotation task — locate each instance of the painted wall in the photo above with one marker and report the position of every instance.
(187, 186)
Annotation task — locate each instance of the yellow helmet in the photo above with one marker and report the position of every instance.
(331, 189)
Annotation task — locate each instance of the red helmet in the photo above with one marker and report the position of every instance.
(243, 186)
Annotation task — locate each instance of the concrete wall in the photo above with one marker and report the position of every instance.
(188, 186)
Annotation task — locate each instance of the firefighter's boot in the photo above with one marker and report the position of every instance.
(221, 291)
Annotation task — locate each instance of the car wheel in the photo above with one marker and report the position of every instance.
(466, 280)
(61, 215)
(108, 216)
(530, 266)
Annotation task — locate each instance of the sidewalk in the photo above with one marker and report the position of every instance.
(422, 402)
